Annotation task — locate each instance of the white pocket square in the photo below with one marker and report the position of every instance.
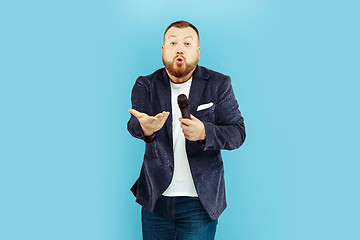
(204, 106)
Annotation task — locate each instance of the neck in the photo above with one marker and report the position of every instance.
(179, 80)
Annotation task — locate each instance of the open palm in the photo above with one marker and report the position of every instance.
(150, 124)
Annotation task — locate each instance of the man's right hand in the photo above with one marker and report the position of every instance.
(150, 124)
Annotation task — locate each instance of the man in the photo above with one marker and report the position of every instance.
(181, 184)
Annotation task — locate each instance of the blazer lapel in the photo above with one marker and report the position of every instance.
(164, 94)
(197, 88)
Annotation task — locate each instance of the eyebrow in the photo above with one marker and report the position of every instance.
(175, 36)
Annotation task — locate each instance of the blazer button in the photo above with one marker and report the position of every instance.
(171, 168)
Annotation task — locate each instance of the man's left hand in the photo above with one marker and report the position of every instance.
(193, 128)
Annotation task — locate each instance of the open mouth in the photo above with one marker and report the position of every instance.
(179, 60)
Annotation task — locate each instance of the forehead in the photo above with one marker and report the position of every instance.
(181, 33)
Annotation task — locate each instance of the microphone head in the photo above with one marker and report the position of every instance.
(183, 101)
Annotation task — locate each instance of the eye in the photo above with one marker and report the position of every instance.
(173, 43)
(187, 44)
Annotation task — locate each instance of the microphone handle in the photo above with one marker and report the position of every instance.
(185, 112)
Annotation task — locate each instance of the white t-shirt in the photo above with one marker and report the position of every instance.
(182, 183)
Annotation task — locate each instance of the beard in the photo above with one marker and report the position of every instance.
(179, 71)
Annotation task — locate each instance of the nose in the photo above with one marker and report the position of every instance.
(180, 51)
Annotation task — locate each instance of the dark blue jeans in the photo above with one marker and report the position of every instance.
(181, 218)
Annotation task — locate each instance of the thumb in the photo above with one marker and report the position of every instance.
(192, 117)
(136, 113)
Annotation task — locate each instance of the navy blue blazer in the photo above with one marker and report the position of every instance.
(224, 127)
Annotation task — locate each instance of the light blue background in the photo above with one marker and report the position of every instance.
(67, 68)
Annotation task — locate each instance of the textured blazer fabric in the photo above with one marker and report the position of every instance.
(224, 128)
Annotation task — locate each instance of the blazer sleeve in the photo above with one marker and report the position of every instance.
(228, 132)
(140, 101)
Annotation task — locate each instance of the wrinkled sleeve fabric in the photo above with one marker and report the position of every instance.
(228, 132)
(140, 101)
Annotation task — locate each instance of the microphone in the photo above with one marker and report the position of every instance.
(184, 106)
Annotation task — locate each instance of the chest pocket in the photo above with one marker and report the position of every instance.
(206, 113)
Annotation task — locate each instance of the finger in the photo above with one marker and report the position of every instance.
(136, 113)
(161, 117)
(163, 120)
(184, 133)
(163, 114)
(158, 115)
(186, 136)
(185, 121)
(184, 127)
(192, 117)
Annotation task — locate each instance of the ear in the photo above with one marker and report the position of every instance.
(162, 47)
